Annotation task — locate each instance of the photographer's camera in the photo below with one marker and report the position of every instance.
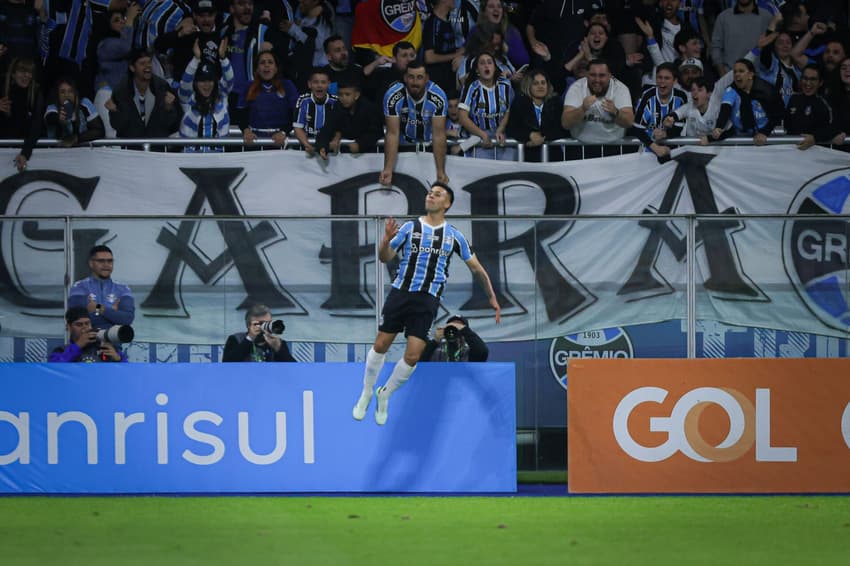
(450, 333)
(270, 326)
(117, 334)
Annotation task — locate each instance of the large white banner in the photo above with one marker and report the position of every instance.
(261, 230)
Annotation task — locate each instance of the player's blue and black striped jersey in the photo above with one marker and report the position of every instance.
(425, 254)
(487, 106)
(310, 114)
(415, 115)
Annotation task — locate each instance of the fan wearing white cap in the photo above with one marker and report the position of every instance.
(689, 70)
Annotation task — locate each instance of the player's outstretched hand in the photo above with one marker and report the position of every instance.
(495, 304)
(390, 228)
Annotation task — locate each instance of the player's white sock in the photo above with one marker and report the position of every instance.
(374, 363)
(400, 375)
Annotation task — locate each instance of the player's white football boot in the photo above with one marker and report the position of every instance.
(381, 409)
(359, 411)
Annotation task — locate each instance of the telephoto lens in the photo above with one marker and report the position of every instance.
(117, 334)
(450, 332)
(273, 326)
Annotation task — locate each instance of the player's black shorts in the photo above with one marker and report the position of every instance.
(412, 312)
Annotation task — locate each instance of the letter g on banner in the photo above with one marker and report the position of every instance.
(682, 426)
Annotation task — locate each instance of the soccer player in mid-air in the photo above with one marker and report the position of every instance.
(426, 245)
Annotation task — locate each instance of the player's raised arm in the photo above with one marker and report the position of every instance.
(386, 251)
(483, 280)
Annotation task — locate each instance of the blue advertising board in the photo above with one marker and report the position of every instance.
(258, 428)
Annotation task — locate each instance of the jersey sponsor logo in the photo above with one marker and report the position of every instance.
(393, 100)
(438, 101)
(413, 119)
(430, 250)
(815, 248)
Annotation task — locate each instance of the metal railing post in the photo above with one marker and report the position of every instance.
(691, 287)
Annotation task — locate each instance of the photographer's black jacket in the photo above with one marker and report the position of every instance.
(478, 351)
(239, 349)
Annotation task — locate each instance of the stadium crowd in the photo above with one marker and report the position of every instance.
(474, 72)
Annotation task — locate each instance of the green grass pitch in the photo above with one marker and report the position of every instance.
(409, 531)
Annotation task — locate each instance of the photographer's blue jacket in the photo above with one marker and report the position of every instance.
(104, 292)
(73, 353)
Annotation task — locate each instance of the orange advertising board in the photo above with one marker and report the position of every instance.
(709, 426)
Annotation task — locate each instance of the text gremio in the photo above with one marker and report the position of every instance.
(747, 425)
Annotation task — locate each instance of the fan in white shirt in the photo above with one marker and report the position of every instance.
(700, 113)
(598, 108)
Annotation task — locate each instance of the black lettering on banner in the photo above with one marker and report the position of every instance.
(81, 189)
(563, 294)
(83, 240)
(726, 278)
(346, 253)
(214, 186)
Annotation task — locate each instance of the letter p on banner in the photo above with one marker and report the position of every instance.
(709, 426)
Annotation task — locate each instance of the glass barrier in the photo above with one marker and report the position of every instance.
(570, 288)
(772, 287)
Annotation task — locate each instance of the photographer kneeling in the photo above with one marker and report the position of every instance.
(87, 344)
(455, 342)
(259, 343)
